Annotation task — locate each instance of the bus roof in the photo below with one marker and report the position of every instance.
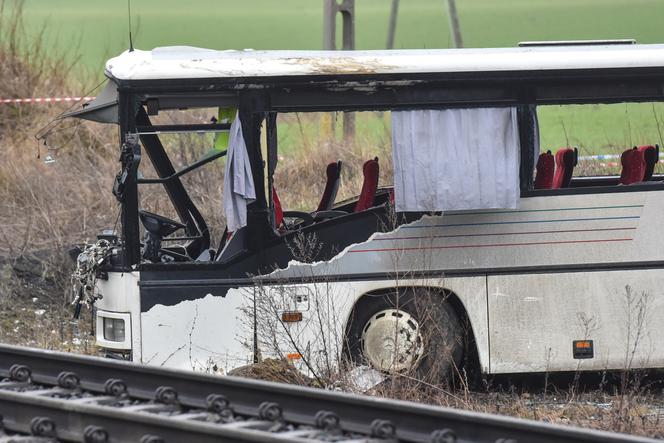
(183, 62)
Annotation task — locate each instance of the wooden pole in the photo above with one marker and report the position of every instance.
(329, 43)
(454, 24)
(347, 10)
(391, 29)
(329, 24)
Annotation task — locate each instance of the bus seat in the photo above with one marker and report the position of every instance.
(369, 186)
(333, 172)
(633, 166)
(280, 216)
(565, 162)
(650, 157)
(545, 168)
(278, 210)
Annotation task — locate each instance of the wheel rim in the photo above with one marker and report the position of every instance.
(391, 341)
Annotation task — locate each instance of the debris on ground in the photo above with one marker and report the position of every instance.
(272, 369)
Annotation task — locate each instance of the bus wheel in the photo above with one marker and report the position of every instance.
(417, 332)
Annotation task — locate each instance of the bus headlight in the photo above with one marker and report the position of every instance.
(114, 329)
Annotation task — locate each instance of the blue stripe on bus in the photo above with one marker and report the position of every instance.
(494, 234)
(522, 222)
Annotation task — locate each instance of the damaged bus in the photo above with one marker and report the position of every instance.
(486, 250)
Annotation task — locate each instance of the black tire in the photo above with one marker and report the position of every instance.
(441, 330)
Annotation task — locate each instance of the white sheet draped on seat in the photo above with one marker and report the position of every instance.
(455, 159)
(239, 188)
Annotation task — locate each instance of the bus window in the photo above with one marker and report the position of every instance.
(308, 142)
(601, 133)
(204, 184)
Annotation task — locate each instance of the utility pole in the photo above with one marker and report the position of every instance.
(454, 24)
(347, 10)
(392, 27)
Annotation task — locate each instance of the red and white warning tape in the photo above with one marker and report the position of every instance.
(7, 101)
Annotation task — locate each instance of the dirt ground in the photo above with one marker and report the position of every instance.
(35, 308)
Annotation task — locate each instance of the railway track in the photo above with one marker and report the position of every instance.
(50, 396)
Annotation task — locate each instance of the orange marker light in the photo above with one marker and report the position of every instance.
(583, 349)
(294, 356)
(291, 317)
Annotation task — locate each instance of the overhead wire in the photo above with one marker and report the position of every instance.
(54, 125)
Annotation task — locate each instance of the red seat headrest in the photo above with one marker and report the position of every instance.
(369, 186)
(278, 210)
(565, 162)
(633, 166)
(545, 168)
(333, 173)
(650, 157)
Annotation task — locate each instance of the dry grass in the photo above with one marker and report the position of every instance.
(44, 208)
(605, 407)
(271, 369)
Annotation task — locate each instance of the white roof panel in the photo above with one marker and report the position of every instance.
(182, 62)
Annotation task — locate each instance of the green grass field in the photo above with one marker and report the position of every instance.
(594, 129)
(97, 29)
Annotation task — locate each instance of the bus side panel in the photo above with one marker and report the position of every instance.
(314, 342)
(565, 231)
(327, 307)
(211, 334)
(533, 320)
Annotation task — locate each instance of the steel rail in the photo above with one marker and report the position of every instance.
(366, 416)
(75, 421)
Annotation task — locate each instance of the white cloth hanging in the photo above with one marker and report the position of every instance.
(455, 159)
(239, 188)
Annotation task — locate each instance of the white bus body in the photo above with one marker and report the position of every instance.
(568, 272)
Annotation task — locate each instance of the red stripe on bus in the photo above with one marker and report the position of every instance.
(505, 233)
(495, 245)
